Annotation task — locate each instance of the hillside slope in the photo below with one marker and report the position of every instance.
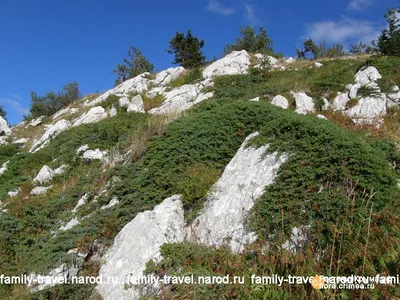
(293, 171)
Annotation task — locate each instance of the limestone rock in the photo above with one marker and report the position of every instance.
(14, 193)
(290, 60)
(225, 213)
(81, 202)
(366, 76)
(35, 122)
(94, 115)
(45, 175)
(94, 154)
(21, 141)
(53, 131)
(114, 201)
(369, 108)
(136, 104)
(4, 129)
(319, 116)
(304, 103)
(3, 168)
(40, 190)
(167, 76)
(318, 65)
(113, 112)
(340, 102)
(280, 101)
(137, 243)
(236, 62)
(82, 149)
(72, 223)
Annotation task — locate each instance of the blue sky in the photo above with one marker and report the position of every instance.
(48, 43)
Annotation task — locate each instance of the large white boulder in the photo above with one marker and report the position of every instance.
(367, 75)
(4, 129)
(51, 132)
(304, 103)
(280, 101)
(137, 243)
(224, 217)
(167, 76)
(236, 62)
(94, 115)
(372, 107)
(45, 175)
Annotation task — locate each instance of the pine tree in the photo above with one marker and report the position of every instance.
(389, 41)
(187, 50)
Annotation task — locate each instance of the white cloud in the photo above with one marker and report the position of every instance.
(14, 102)
(251, 14)
(360, 4)
(217, 7)
(345, 30)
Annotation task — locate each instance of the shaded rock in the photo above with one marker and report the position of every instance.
(4, 129)
(236, 62)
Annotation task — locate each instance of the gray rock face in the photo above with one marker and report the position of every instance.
(4, 129)
(236, 62)
(395, 95)
(304, 103)
(51, 132)
(14, 193)
(45, 175)
(114, 201)
(167, 76)
(280, 101)
(137, 243)
(226, 210)
(21, 141)
(94, 115)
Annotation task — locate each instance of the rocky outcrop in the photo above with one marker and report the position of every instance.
(236, 62)
(280, 101)
(226, 211)
(136, 104)
(4, 129)
(182, 98)
(304, 103)
(94, 115)
(51, 132)
(45, 175)
(35, 122)
(167, 76)
(340, 102)
(137, 243)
